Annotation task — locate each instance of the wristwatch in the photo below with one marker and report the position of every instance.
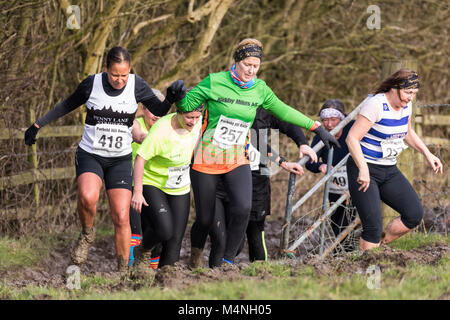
(281, 160)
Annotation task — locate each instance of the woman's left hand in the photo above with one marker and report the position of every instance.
(435, 163)
(327, 138)
(137, 201)
(293, 167)
(306, 150)
(363, 179)
(176, 91)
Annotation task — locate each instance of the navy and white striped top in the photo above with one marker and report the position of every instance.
(384, 141)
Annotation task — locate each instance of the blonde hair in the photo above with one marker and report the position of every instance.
(248, 41)
(248, 48)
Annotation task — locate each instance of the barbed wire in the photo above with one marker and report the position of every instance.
(433, 105)
(321, 238)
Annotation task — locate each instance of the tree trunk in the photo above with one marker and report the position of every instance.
(17, 58)
(97, 45)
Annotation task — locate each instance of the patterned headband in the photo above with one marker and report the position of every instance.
(331, 113)
(412, 82)
(249, 50)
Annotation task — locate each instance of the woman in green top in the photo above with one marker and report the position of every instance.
(162, 185)
(231, 99)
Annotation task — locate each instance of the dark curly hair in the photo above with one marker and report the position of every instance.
(398, 80)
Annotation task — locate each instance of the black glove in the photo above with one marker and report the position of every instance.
(30, 135)
(326, 137)
(176, 91)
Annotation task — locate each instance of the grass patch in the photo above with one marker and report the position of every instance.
(104, 231)
(416, 240)
(18, 252)
(260, 268)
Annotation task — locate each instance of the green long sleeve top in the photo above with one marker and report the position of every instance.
(228, 116)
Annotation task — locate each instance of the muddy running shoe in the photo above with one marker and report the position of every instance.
(141, 266)
(122, 266)
(196, 258)
(228, 266)
(79, 253)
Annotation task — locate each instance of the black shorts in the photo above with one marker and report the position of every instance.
(117, 172)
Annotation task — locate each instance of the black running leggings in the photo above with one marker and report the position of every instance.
(136, 229)
(238, 186)
(218, 235)
(164, 221)
(389, 185)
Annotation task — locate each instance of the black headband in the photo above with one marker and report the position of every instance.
(249, 50)
(412, 82)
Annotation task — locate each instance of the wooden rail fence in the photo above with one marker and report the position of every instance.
(38, 175)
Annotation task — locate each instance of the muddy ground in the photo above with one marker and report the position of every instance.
(101, 261)
(51, 271)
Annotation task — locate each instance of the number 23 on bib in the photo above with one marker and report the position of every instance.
(391, 148)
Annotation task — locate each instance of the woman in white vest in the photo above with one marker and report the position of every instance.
(104, 152)
(375, 141)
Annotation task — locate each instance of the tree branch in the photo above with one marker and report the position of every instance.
(97, 45)
(202, 49)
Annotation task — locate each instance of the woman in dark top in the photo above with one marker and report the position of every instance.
(331, 114)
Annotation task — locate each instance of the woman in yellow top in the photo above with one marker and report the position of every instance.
(162, 184)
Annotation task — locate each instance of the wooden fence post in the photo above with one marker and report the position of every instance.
(418, 128)
(33, 160)
(406, 159)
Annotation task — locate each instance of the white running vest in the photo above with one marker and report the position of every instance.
(109, 120)
(383, 143)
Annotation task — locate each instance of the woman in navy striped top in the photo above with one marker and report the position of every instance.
(378, 136)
